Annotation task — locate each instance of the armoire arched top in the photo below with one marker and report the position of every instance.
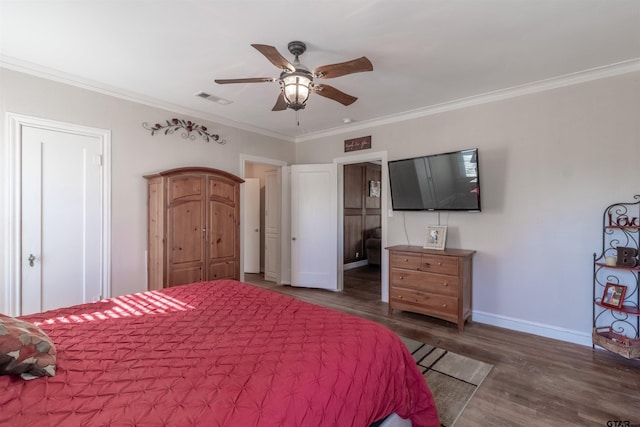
(196, 169)
(193, 226)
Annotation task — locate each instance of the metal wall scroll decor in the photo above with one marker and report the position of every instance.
(189, 130)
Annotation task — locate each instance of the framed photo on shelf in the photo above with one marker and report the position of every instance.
(613, 295)
(436, 237)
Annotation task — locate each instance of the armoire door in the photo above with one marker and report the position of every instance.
(186, 229)
(223, 229)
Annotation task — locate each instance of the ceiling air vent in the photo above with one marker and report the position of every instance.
(212, 98)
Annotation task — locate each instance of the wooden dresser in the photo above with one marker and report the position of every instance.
(431, 282)
(194, 226)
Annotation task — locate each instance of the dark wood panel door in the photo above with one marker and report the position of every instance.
(373, 173)
(353, 239)
(353, 175)
(361, 208)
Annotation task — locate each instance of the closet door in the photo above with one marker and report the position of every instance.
(251, 218)
(272, 226)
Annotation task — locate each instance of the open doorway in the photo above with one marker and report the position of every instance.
(263, 236)
(362, 228)
(362, 196)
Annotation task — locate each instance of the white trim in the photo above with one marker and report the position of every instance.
(12, 245)
(597, 73)
(384, 257)
(536, 328)
(355, 264)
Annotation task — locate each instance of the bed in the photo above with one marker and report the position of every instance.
(221, 353)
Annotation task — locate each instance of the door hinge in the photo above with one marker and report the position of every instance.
(97, 160)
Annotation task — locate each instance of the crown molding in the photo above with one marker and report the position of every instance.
(72, 80)
(597, 73)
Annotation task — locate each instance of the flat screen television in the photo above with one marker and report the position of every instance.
(447, 182)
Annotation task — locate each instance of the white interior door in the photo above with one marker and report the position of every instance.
(271, 225)
(314, 226)
(251, 225)
(61, 233)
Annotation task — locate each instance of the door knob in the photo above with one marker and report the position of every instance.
(256, 230)
(31, 259)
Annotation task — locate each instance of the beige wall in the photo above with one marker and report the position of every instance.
(134, 153)
(550, 163)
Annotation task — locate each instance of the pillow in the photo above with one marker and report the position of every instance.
(25, 349)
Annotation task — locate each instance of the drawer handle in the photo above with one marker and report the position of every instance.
(401, 277)
(444, 305)
(400, 297)
(405, 260)
(445, 284)
(440, 263)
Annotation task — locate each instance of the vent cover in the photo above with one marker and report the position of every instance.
(213, 98)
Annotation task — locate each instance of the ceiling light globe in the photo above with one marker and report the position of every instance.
(296, 89)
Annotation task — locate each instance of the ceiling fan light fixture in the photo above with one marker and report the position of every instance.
(296, 80)
(296, 87)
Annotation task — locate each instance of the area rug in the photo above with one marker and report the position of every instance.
(452, 378)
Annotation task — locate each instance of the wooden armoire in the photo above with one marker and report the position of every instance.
(193, 226)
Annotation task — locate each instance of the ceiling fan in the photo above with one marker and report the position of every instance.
(296, 81)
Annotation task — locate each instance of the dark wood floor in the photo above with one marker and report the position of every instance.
(535, 381)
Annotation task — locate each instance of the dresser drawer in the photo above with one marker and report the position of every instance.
(440, 264)
(406, 261)
(427, 282)
(442, 306)
(435, 283)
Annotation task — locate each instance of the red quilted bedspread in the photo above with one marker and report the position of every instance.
(220, 353)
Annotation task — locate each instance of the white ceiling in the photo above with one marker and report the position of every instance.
(425, 53)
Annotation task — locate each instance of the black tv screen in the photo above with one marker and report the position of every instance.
(447, 181)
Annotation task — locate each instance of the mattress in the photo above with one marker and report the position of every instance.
(221, 353)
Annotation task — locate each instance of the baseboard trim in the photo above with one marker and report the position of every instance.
(549, 331)
(356, 264)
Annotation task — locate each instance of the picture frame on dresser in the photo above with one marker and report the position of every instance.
(436, 237)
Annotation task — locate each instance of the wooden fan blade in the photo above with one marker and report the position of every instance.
(249, 80)
(335, 94)
(274, 56)
(281, 103)
(336, 70)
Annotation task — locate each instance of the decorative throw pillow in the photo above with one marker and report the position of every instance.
(25, 349)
